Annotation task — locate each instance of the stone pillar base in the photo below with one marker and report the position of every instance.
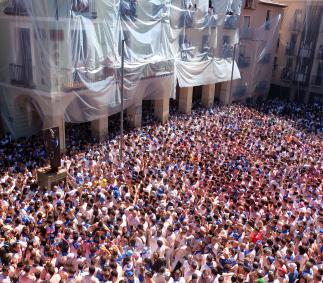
(134, 115)
(161, 109)
(185, 99)
(100, 128)
(208, 95)
(225, 93)
(48, 179)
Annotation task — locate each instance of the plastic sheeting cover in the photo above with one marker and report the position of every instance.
(66, 54)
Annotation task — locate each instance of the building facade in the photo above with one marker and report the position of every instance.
(259, 26)
(298, 68)
(61, 60)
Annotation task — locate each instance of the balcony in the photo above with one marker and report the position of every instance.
(261, 87)
(295, 26)
(84, 8)
(21, 75)
(267, 25)
(287, 75)
(14, 8)
(73, 81)
(227, 52)
(240, 91)
(128, 10)
(231, 22)
(265, 59)
(247, 33)
(244, 62)
(305, 52)
(317, 81)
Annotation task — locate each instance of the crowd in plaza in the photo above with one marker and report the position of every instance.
(228, 194)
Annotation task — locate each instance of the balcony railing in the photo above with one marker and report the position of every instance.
(84, 8)
(227, 51)
(295, 26)
(305, 52)
(261, 87)
(265, 59)
(231, 22)
(21, 75)
(14, 7)
(247, 33)
(317, 81)
(240, 91)
(287, 75)
(73, 81)
(128, 10)
(244, 62)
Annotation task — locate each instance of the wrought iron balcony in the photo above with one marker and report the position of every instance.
(227, 51)
(14, 7)
(305, 52)
(231, 22)
(244, 62)
(84, 8)
(74, 82)
(21, 75)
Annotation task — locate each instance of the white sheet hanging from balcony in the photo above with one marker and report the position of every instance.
(210, 71)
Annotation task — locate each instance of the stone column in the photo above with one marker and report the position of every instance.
(185, 98)
(225, 93)
(161, 109)
(57, 121)
(208, 92)
(134, 115)
(307, 97)
(100, 128)
(292, 93)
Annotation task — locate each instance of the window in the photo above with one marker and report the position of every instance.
(79, 47)
(249, 4)
(268, 16)
(246, 21)
(226, 40)
(275, 64)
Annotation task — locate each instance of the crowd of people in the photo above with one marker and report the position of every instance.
(228, 194)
